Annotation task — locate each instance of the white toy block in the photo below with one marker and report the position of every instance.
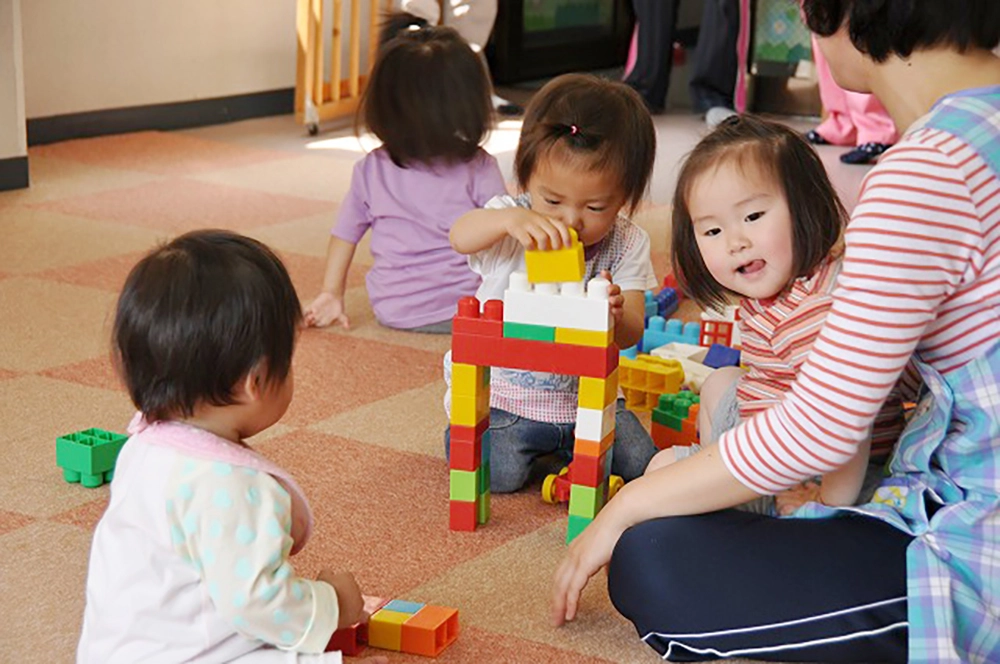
(729, 315)
(593, 424)
(565, 305)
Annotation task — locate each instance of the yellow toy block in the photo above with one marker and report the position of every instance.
(469, 411)
(565, 335)
(469, 380)
(645, 378)
(597, 393)
(556, 265)
(385, 629)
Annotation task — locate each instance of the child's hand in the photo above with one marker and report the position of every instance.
(352, 604)
(325, 309)
(615, 298)
(787, 502)
(535, 231)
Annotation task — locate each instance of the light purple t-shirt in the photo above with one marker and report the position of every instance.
(416, 278)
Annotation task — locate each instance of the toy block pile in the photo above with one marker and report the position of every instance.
(410, 627)
(89, 456)
(644, 378)
(661, 332)
(675, 420)
(549, 321)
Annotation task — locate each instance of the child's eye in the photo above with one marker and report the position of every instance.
(712, 232)
(754, 216)
(550, 201)
(593, 208)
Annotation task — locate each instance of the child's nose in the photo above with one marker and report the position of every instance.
(738, 243)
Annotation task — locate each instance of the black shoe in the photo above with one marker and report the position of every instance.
(814, 137)
(865, 154)
(509, 109)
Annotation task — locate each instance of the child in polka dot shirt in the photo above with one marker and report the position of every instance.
(190, 562)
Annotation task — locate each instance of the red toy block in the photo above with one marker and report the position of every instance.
(464, 455)
(588, 470)
(430, 630)
(526, 354)
(462, 515)
(465, 434)
(349, 640)
(469, 321)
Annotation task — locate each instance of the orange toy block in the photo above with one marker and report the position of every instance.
(430, 630)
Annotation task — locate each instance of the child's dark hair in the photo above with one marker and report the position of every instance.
(603, 121)
(881, 28)
(818, 216)
(196, 316)
(428, 97)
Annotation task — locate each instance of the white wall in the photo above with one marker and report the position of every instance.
(85, 55)
(12, 131)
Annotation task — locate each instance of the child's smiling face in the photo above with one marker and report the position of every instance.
(587, 200)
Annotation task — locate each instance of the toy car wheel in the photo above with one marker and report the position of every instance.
(549, 489)
(615, 483)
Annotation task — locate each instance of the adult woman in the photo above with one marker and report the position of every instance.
(910, 574)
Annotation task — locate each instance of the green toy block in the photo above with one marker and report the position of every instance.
(576, 526)
(483, 508)
(672, 409)
(465, 485)
(526, 331)
(89, 456)
(586, 501)
(483, 485)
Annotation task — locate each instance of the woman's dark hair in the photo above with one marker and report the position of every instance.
(880, 28)
(603, 121)
(428, 97)
(196, 316)
(818, 216)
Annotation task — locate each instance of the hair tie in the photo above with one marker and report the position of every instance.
(573, 130)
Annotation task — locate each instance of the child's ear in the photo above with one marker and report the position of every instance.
(253, 384)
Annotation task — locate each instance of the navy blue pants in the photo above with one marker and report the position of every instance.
(736, 584)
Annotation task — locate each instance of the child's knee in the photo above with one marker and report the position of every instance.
(661, 459)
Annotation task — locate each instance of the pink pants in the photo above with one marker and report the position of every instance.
(853, 118)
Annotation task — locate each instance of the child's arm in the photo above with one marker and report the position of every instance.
(477, 230)
(630, 318)
(328, 307)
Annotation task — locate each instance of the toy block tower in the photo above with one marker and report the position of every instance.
(549, 321)
(675, 420)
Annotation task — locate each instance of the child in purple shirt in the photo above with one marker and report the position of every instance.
(428, 100)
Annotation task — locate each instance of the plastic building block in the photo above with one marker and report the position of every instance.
(595, 448)
(89, 456)
(631, 352)
(645, 378)
(385, 629)
(586, 500)
(430, 631)
(462, 515)
(576, 526)
(556, 265)
(667, 302)
(597, 393)
(649, 305)
(558, 305)
(469, 379)
(670, 281)
(595, 424)
(565, 335)
(661, 332)
(675, 420)
(470, 410)
(720, 327)
(534, 355)
(722, 356)
(464, 485)
(469, 319)
(352, 640)
(526, 331)
(402, 606)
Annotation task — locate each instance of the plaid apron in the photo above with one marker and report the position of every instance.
(944, 483)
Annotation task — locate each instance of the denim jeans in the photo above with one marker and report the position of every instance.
(517, 443)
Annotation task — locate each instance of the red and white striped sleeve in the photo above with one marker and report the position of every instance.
(911, 240)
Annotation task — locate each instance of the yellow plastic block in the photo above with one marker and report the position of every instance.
(468, 379)
(597, 393)
(556, 265)
(470, 410)
(385, 629)
(645, 378)
(565, 335)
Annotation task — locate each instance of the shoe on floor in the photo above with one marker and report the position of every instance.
(717, 115)
(866, 153)
(816, 138)
(505, 107)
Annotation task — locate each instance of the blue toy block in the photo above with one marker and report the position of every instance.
(631, 352)
(652, 306)
(722, 356)
(661, 332)
(666, 302)
(403, 606)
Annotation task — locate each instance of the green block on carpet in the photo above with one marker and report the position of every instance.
(483, 508)
(576, 526)
(464, 485)
(526, 331)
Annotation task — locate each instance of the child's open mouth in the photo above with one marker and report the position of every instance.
(751, 267)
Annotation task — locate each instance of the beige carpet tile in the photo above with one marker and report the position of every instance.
(323, 178)
(13, 520)
(84, 516)
(162, 153)
(54, 178)
(34, 411)
(49, 324)
(505, 593)
(30, 232)
(334, 373)
(307, 274)
(310, 237)
(6, 375)
(107, 274)
(98, 372)
(177, 205)
(43, 568)
(411, 421)
(384, 514)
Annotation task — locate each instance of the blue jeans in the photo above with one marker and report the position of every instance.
(517, 443)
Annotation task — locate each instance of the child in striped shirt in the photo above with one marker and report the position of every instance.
(755, 216)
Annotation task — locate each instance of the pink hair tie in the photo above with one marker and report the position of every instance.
(573, 130)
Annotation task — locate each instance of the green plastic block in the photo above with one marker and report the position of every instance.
(89, 456)
(483, 508)
(464, 485)
(576, 526)
(526, 331)
(672, 409)
(585, 501)
(483, 485)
